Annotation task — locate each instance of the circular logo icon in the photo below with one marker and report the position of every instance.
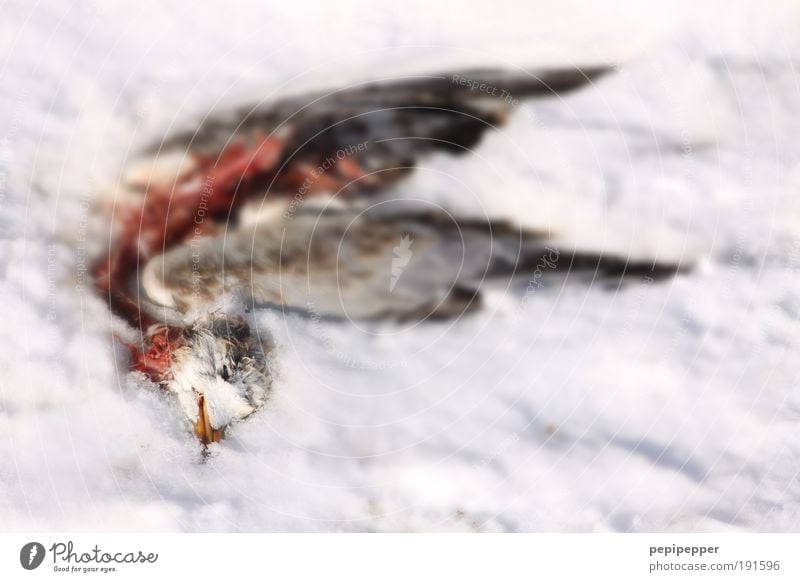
(31, 555)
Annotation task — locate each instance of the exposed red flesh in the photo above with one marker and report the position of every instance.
(155, 359)
(192, 206)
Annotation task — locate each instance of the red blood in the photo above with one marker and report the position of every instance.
(350, 170)
(193, 205)
(156, 355)
(165, 216)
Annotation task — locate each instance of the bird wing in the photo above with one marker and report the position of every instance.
(342, 264)
(370, 263)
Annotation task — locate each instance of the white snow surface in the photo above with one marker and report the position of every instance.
(652, 407)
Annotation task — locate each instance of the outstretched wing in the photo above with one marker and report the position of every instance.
(454, 107)
(366, 264)
(343, 264)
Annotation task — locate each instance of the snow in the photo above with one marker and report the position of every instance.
(663, 406)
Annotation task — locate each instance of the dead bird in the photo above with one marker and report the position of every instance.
(180, 239)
